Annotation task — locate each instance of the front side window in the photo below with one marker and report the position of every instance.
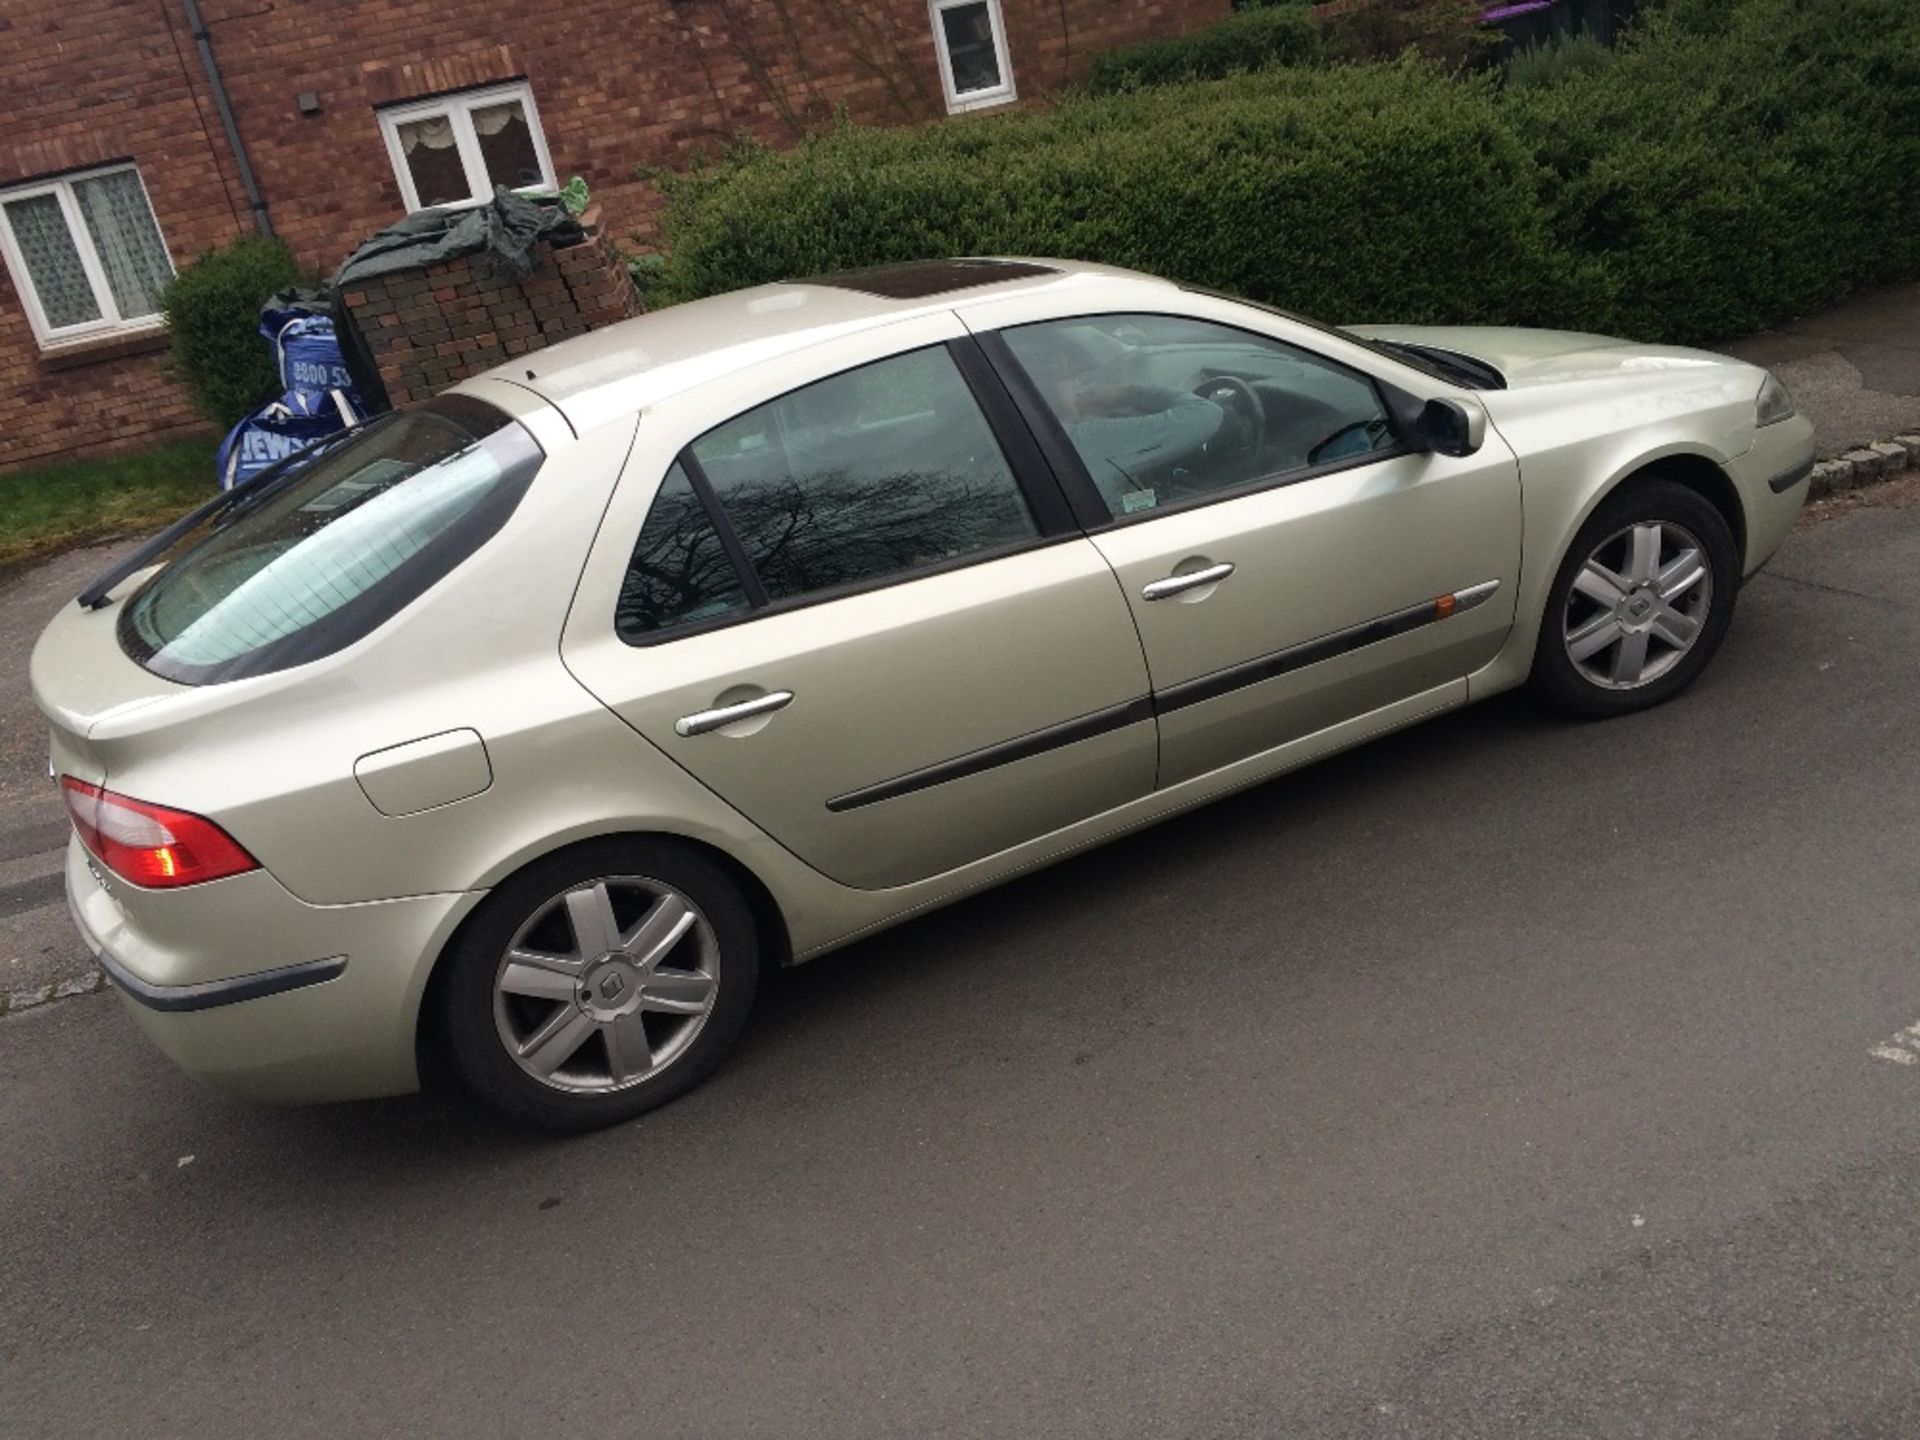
(456, 149)
(86, 255)
(1164, 410)
(302, 564)
(871, 475)
(971, 39)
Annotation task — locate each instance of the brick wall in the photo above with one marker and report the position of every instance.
(618, 84)
(427, 329)
(83, 82)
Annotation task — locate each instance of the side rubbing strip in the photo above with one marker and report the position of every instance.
(1787, 479)
(1192, 693)
(1005, 753)
(1327, 647)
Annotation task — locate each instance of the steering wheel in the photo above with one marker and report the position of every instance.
(1373, 430)
(1236, 397)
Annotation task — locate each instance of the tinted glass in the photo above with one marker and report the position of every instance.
(917, 279)
(679, 573)
(882, 470)
(300, 566)
(1164, 409)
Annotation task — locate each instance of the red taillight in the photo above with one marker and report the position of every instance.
(150, 844)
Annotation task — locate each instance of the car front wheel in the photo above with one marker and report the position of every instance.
(600, 983)
(1641, 602)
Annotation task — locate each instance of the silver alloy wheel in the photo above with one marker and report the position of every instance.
(1638, 604)
(607, 984)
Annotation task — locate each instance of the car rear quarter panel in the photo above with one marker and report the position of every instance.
(272, 758)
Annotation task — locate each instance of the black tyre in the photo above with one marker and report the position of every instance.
(1641, 602)
(600, 983)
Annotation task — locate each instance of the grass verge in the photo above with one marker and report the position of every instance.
(56, 507)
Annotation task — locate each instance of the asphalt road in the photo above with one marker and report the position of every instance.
(1508, 1077)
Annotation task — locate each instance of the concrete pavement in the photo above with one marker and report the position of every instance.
(1854, 368)
(1505, 1078)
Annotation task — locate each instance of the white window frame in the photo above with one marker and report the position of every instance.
(111, 322)
(1001, 94)
(458, 108)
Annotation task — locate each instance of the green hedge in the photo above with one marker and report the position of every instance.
(1737, 162)
(1252, 40)
(212, 309)
(1387, 190)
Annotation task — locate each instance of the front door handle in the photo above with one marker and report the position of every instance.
(1180, 584)
(701, 721)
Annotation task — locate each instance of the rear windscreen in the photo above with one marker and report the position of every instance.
(318, 555)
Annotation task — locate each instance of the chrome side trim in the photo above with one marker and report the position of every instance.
(1474, 595)
(220, 992)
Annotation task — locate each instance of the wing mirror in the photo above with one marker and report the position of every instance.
(1451, 427)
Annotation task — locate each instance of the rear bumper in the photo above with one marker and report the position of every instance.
(212, 994)
(260, 994)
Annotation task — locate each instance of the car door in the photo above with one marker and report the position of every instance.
(863, 616)
(1290, 561)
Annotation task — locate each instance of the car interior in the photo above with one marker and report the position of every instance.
(1282, 410)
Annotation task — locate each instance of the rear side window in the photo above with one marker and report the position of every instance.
(304, 563)
(873, 474)
(870, 474)
(679, 573)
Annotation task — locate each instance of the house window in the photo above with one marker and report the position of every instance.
(86, 255)
(971, 38)
(455, 149)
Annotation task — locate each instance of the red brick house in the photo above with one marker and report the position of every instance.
(118, 161)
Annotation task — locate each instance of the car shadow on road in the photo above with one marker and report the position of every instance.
(1047, 924)
(1206, 849)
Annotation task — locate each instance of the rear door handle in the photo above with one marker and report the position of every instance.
(1180, 584)
(701, 721)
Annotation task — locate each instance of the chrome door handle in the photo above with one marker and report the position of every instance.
(1180, 584)
(701, 721)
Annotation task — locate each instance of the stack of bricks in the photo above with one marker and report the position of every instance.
(427, 329)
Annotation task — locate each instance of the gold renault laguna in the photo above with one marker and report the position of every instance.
(526, 726)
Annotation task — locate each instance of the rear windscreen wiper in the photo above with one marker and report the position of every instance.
(101, 590)
(256, 489)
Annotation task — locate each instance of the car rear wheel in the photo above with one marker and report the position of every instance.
(1641, 602)
(600, 983)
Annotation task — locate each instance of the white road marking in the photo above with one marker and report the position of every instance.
(1902, 1049)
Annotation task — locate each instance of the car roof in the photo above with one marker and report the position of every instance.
(628, 366)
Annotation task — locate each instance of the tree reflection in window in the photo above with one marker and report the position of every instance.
(877, 472)
(679, 573)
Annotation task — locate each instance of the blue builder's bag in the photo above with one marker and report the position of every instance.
(319, 398)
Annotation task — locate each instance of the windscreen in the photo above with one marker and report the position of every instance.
(323, 553)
